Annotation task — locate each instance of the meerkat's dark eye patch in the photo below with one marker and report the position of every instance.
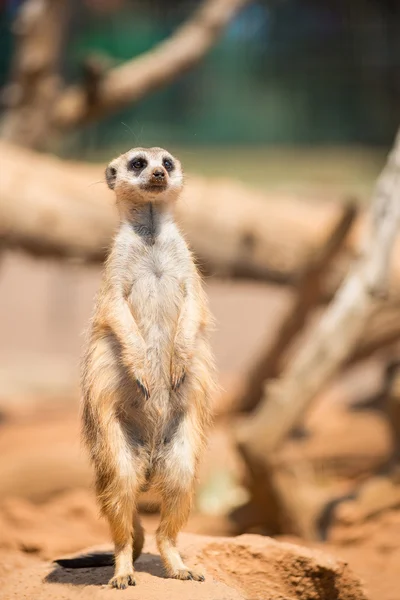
(168, 164)
(111, 177)
(137, 164)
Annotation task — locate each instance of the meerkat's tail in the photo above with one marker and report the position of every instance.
(85, 561)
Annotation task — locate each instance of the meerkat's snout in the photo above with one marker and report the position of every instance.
(157, 181)
(159, 176)
(145, 174)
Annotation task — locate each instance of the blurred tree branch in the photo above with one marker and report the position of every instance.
(35, 82)
(37, 106)
(392, 385)
(332, 342)
(308, 296)
(49, 207)
(155, 69)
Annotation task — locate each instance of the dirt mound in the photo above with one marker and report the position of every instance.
(373, 551)
(250, 567)
(264, 569)
(366, 532)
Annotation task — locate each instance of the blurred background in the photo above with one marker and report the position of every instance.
(283, 113)
(292, 72)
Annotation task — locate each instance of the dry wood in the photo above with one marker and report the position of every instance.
(308, 295)
(333, 340)
(58, 209)
(334, 278)
(383, 330)
(342, 325)
(48, 209)
(392, 389)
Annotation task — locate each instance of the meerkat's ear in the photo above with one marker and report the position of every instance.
(111, 175)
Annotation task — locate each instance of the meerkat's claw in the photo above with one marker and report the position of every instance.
(143, 389)
(177, 381)
(178, 373)
(121, 582)
(185, 574)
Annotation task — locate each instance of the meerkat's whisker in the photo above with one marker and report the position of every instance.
(129, 129)
(96, 182)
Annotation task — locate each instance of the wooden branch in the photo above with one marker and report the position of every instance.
(29, 98)
(383, 330)
(392, 386)
(240, 233)
(334, 338)
(153, 70)
(54, 208)
(308, 295)
(48, 208)
(342, 325)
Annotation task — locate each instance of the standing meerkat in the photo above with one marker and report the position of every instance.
(148, 370)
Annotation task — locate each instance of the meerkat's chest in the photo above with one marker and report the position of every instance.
(158, 281)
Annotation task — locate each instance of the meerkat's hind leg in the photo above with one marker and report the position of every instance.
(126, 552)
(174, 514)
(117, 496)
(121, 527)
(138, 537)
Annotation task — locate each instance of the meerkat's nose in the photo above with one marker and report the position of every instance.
(159, 173)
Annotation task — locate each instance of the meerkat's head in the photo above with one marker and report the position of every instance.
(145, 175)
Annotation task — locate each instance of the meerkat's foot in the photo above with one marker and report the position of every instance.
(121, 582)
(185, 574)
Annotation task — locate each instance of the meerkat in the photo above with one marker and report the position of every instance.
(148, 370)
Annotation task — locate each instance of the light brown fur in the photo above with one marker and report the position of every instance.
(147, 371)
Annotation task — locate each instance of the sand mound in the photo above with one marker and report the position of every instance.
(248, 567)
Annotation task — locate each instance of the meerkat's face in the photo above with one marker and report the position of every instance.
(145, 175)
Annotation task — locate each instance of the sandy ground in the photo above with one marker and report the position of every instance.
(247, 567)
(47, 508)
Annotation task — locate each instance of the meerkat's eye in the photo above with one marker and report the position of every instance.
(168, 164)
(137, 164)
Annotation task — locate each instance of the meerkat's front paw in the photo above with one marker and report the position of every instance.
(143, 388)
(121, 582)
(141, 381)
(178, 370)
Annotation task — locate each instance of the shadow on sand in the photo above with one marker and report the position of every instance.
(147, 563)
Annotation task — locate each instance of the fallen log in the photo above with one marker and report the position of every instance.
(55, 208)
